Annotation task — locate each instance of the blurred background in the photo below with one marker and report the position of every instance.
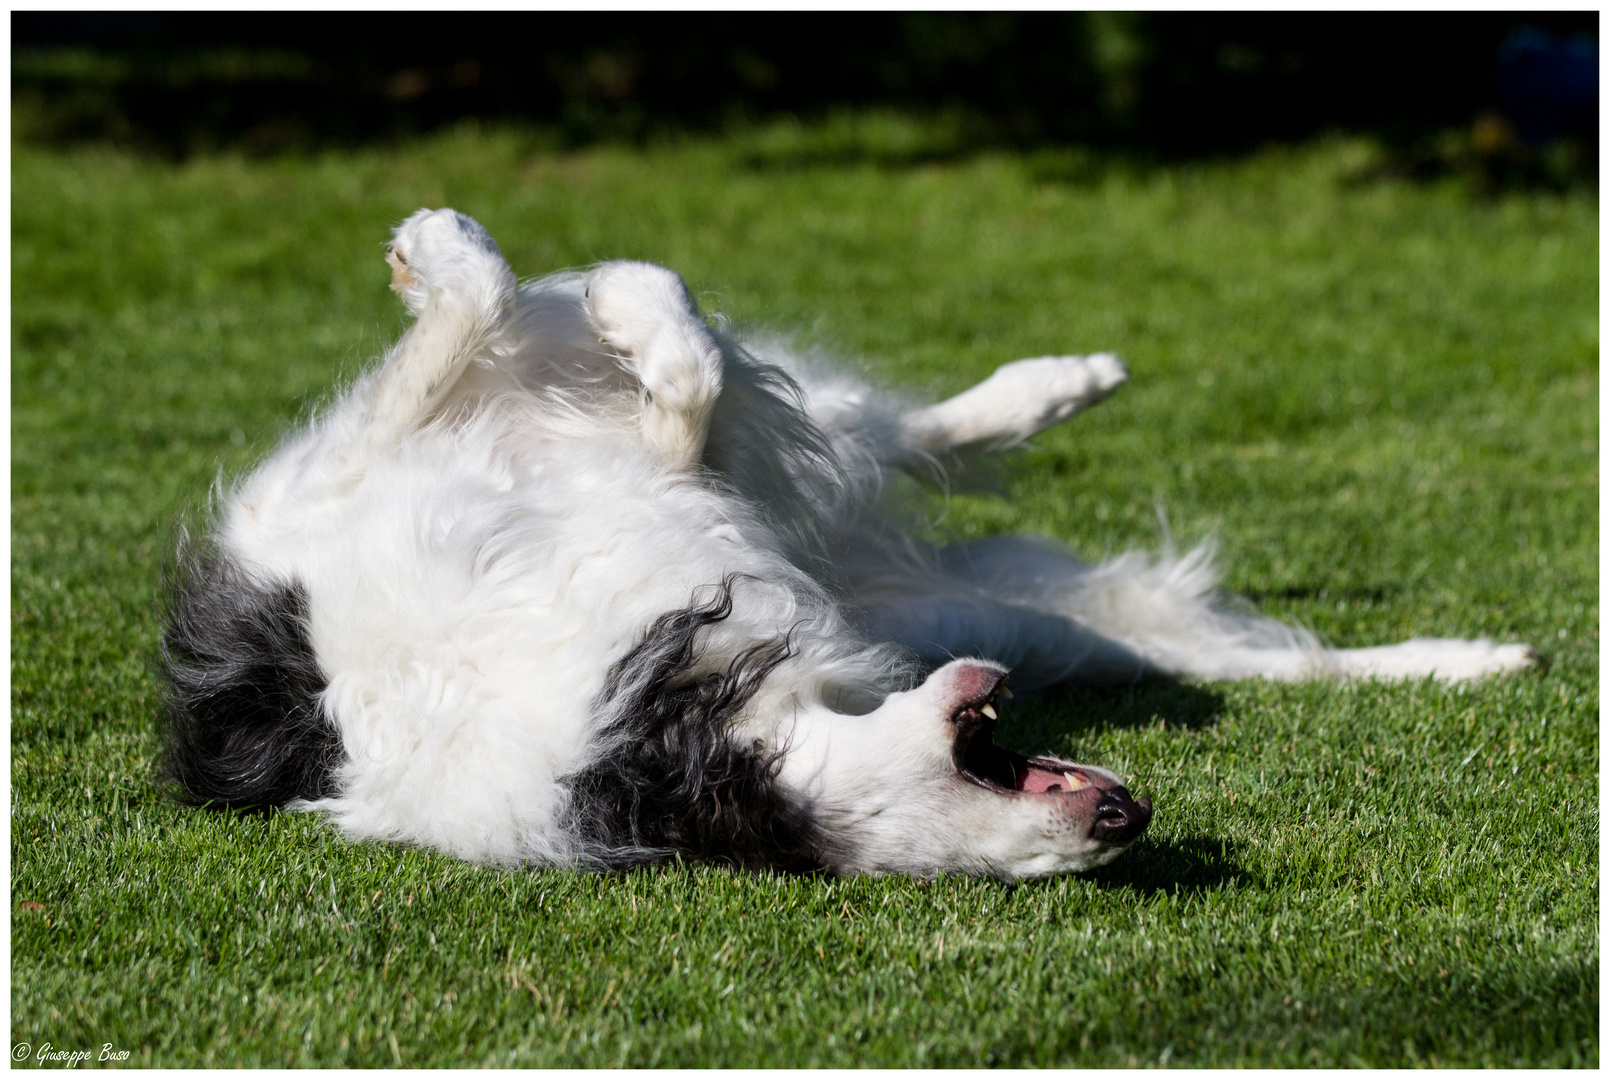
(1510, 98)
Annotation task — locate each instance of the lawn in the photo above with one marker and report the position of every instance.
(1381, 398)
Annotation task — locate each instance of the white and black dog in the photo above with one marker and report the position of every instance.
(574, 578)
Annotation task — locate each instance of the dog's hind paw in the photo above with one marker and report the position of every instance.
(646, 315)
(437, 251)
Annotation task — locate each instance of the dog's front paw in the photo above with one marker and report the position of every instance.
(1056, 387)
(645, 313)
(1107, 373)
(1450, 660)
(443, 251)
(1457, 661)
(1502, 659)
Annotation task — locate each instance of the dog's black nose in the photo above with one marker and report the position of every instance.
(1119, 818)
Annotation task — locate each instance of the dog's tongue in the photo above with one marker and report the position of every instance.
(1039, 780)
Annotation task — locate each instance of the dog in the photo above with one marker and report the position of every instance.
(574, 577)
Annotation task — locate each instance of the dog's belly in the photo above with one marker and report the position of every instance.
(466, 605)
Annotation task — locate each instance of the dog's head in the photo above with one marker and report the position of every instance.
(918, 785)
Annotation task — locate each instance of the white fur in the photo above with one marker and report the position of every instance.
(532, 476)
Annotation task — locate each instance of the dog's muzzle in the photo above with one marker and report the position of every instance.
(1120, 818)
(1115, 816)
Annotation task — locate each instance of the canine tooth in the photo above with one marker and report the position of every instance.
(1076, 783)
(988, 710)
(1002, 691)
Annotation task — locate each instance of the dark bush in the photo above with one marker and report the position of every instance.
(1166, 84)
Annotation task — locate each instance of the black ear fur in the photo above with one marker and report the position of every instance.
(244, 723)
(673, 781)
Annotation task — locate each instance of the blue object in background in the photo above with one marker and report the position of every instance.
(1549, 84)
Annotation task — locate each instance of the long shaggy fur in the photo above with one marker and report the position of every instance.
(244, 722)
(575, 577)
(670, 776)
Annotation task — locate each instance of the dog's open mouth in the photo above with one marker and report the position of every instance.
(989, 766)
(1116, 817)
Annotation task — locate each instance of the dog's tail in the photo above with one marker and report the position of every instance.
(245, 723)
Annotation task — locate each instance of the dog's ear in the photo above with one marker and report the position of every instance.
(668, 776)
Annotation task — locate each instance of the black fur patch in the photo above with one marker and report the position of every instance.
(244, 724)
(675, 782)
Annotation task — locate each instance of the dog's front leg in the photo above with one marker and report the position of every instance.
(1021, 398)
(646, 314)
(452, 277)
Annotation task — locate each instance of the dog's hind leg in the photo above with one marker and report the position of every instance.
(451, 275)
(1021, 398)
(646, 314)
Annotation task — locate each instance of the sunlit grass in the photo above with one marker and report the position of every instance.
(1381, 399)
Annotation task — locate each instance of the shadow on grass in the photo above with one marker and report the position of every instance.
(1067, 710)
(1438, 1013)
(1497, 1013)
(1188, 866)
(1500, 1011)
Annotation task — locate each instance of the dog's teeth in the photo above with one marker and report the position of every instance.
(1002, 691)
(988, 710)
(1075, 783)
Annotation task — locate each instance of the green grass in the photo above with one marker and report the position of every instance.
(1381, 398)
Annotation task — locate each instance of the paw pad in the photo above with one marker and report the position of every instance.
(444, 250)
